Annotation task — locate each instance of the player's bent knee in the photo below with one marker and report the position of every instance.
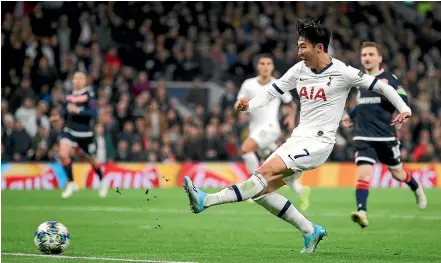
(261, 194)
(64, 151)
(95, 164)
(268, 172)
(364, 177)
(364, 172)
(64, 157)
(265, 171)
(245, 149)
(248, 146)
(398, 174)
(272, 186)
(273, 169)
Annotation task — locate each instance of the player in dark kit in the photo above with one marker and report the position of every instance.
(79, 111)
(374, 137)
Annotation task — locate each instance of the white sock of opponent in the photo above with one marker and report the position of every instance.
(281, 207)
(238, 192)
(251, 161)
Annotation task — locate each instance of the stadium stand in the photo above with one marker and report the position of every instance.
(135, 52)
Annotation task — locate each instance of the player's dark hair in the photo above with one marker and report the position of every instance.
(314, 32)
(373, 44)
(264, 55)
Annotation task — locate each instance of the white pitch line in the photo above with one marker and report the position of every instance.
(92, 258)
(216, 212)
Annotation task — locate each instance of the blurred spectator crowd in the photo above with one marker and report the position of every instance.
(124, 46)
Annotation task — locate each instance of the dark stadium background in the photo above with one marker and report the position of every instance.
(166, 74)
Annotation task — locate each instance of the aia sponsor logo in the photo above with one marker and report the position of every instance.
(115, 175)
(313, 94)
(46, 181)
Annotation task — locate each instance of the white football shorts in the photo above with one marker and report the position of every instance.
(265, 137)
(301, 154)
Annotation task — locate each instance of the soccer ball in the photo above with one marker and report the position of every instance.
(52, 237)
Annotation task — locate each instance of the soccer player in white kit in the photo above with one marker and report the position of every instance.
(264, 124)
(323, 84)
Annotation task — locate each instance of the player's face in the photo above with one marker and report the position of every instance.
(370, 58)
(79, 80)
(307, 52)
(265, 67)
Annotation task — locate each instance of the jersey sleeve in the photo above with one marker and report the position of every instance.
(90, 108)
(277, 89)
(243, 91)
(355, 77)
(287, 82)
(399, 88)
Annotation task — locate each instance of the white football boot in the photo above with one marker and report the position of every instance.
(420, 197)
(70, 189)
(311, 241)
(103, 190)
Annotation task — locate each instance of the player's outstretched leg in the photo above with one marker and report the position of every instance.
(281, 207)
(361, 194)
(268, 172)
(90, 150)
(103, 186)
(96, 166)
(196, 196)
(401, 175)
(103, 190)
(299, 189)
(242, 191)
(66, 161)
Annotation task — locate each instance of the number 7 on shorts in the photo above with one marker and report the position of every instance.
(302, 155)
(299, 155)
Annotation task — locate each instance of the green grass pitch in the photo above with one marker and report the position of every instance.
(160, 227)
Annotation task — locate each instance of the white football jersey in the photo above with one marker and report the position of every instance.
(267, 116)
(323, 95)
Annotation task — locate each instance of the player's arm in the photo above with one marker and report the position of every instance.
(352, 113)
(242, 98)
(358, 78)
(292, 109)
(89, 110)
(290, 118)
(242, 91)
(277, 89)
(400, 89)
(347, 118)
(288, 99)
